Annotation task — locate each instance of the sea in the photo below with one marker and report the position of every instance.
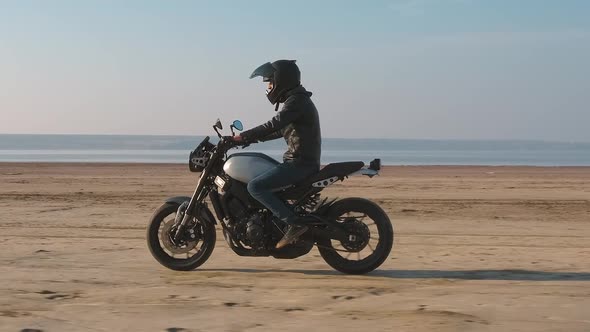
(176, 149)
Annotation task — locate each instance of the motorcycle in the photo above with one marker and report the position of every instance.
(182, 232)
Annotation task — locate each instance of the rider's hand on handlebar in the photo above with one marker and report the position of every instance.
(236, 140)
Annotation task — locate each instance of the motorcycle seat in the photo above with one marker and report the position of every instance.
(339, 170)
(325, 177)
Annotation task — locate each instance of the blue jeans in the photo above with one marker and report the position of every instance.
(262, 187)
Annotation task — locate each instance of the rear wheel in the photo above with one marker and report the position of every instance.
(191, 251)
(369, 237)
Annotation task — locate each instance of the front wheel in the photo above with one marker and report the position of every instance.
(194, 247)
(369, 237)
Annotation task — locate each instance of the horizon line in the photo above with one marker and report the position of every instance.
(342, 138)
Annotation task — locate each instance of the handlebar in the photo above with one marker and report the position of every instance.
(228, 142)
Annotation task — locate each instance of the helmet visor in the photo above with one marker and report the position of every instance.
(266, 71)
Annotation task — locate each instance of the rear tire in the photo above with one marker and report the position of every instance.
(165, 212)
(382, 248)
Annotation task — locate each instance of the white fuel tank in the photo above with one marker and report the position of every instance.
(248, 165)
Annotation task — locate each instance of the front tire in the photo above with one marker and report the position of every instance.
(352, 214)
(158, 247)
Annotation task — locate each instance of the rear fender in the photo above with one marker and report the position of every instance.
(372, 170)
(324, 206)
(334, 230)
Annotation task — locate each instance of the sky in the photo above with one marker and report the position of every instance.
(433, 69)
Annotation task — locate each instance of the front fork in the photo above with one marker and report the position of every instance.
(180, 215)
(186, 210)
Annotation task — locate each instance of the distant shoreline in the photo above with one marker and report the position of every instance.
(175, 149)
(214, 137)
(157, 164)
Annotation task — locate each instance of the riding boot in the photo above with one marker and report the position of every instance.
(295, 229)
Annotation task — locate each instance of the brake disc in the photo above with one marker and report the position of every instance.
(358, 237)
(170, 245)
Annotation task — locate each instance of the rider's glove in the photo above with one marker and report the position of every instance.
(235, 140)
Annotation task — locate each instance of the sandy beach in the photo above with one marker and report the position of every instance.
(476, 249)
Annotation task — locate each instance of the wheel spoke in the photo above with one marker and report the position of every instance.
(349, 253)
(348, 216)
(197, 249)
(370, 247)
(374, 238)
(358, 255)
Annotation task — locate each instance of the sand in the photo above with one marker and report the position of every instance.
(476, 249)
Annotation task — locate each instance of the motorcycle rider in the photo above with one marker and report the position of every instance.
(298, 123)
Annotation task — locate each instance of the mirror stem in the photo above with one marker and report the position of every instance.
(217, 131)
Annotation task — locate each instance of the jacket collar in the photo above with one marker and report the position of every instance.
(297, 90)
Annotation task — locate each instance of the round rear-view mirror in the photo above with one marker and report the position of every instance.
(238, 125)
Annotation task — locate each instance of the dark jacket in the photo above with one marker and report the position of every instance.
(298, 122)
